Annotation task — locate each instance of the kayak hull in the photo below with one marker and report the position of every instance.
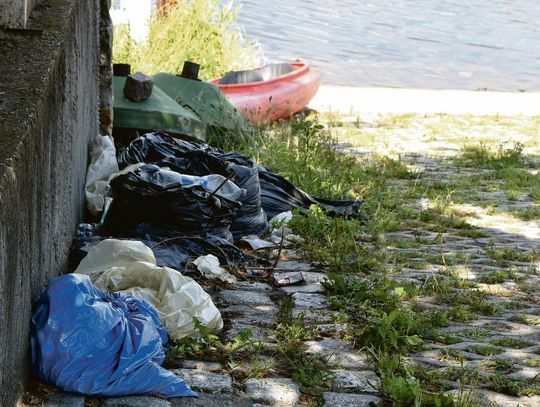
(280, 97)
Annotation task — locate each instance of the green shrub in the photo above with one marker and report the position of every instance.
(201, 31)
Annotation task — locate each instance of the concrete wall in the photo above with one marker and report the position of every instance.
(14, 13)
(49, 107)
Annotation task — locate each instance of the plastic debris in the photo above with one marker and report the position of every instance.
(187, 157)
(167, 199)
(293, 279)
(130, 267)
(170, 249)
(209, 267)
(102, 165)
(257, 243)
(276, 193)
(89, 342)
(279, 195)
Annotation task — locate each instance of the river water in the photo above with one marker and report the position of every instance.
(437, 44)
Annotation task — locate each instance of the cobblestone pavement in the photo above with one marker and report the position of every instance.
(507, 336)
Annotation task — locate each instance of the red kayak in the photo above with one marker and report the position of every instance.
(271, 92)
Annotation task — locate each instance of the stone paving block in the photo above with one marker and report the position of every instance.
(307, 288)
(305, 300)
(273, 391)
(360, 380)
(330, 329)
(348, 400)
(252, 286)
(292, 265)
(136, 401)
(209, 382)
(314, 316)
(310, 277)
(257, 333)
(239, 297)
(138, 87)
(260, 315)
(528, 373)
(212, 400)
(338, 353)
(491, 398)
(201, 365)
(64, 400)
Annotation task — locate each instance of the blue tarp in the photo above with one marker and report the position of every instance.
(86, 341)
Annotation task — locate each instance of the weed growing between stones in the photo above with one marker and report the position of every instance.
(384, 314)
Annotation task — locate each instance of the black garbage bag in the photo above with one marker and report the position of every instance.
(169, 249)
(185, 157)
(163, 198)
(250, 219)
(279, 195)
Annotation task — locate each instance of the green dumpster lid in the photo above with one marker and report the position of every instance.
(159, 112)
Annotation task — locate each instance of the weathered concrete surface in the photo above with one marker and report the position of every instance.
(13, 13)
(105, 68)
(48, 111)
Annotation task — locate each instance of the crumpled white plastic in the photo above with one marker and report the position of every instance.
(129, 267)
(282, 218)
(209, 267)
(102, 165)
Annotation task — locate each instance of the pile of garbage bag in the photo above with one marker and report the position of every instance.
(172, 206)
(276, 194)
(90, 342)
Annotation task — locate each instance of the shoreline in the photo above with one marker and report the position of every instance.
(352, 100)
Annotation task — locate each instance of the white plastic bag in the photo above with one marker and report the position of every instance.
(209, 267)
(130, 267)
(102, 165)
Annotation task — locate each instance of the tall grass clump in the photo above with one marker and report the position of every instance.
(202, 31)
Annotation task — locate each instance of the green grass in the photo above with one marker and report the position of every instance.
(516, 387)
(510, 343)
(311, 371)
(485, 350)
(481, 156)
(497, 277)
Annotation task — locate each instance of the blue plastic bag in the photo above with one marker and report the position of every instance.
(86, 341)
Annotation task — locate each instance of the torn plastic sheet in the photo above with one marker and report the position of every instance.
(103, 164)
(167, 199)
(279, 195)
(89, 342)
(129, 267)
(209, 267)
